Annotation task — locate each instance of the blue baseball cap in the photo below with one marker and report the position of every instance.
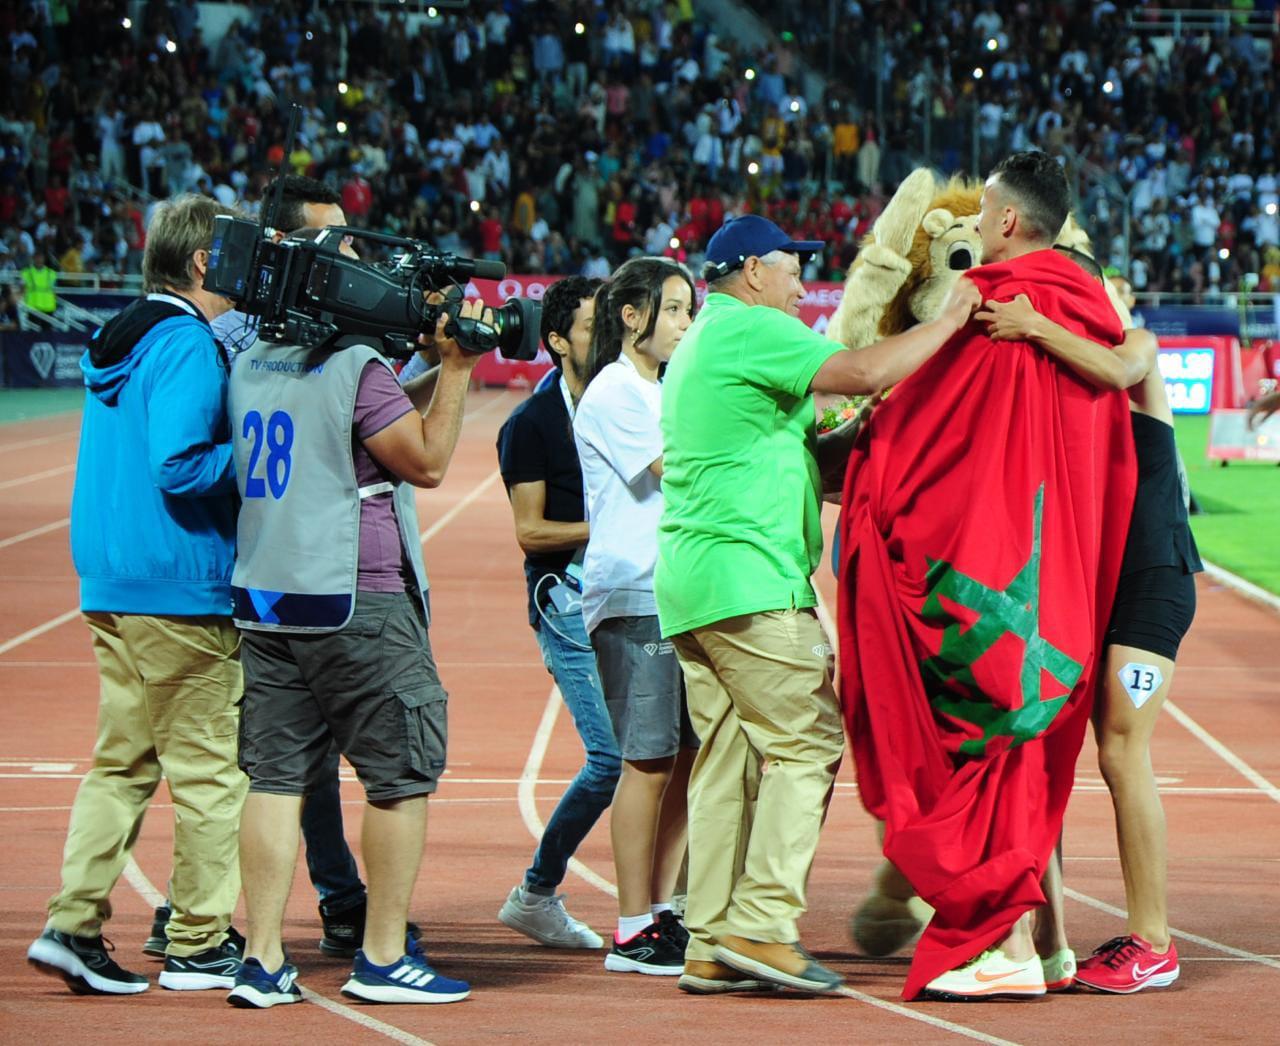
(750, 235)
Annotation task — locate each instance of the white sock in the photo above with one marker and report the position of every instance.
(630, 925)
(657, 909)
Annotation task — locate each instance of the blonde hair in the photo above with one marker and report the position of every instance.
(178, 229)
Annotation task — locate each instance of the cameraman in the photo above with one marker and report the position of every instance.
(540, 468)
(331, 596)
(306, 203)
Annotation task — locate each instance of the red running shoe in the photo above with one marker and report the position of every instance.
(1125, 965)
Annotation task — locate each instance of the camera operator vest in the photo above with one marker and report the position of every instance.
(298, 533)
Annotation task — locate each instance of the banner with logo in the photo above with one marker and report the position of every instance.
(43, 359)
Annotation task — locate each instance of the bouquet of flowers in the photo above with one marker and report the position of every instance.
(838, 414)
(838, 427)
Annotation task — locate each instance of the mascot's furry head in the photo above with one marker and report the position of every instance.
(924, 239)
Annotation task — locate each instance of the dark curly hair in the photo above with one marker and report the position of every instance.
(560, 304)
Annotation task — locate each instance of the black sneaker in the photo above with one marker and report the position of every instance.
(84, 964)
(211, 968)
(651, 951)
(344, 930)
(673, 927)
(159, 939)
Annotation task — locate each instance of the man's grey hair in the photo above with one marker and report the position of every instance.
(722, 284)
(178, 229)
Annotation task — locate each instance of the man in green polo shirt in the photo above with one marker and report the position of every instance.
(37, 286)
(739, 540)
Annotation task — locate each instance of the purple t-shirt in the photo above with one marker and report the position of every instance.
(379, 401)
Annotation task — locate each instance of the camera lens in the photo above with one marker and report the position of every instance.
(519, 323)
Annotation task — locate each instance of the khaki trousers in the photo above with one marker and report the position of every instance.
(762, 702)
(168, 706)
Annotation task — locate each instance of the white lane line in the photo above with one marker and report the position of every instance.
(18, 481)
(1182, 935)
(449, 516)
(37, 442)
(1245, 588)
(529, 782)
(48, 528)
(529, 814)
(1223, 752)
(39, 630)
(137, 878)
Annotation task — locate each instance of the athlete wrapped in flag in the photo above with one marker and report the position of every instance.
(985, 512)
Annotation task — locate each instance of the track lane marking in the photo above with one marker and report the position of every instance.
(35, 476)
(39, 630)
(39, 441)
(35, 532)
(1223, 752)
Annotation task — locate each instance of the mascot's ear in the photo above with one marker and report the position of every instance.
(896, 227)
(938, 221)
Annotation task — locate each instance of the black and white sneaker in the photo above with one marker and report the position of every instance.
(673, 928)
(652, 951)
(344, 929)
(84, 964)
(211, 968)
(158, 940)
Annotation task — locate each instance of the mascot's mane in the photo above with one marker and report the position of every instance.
(961, 198)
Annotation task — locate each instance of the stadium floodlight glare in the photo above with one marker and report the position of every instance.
(795, 106)
(310, 35)
(750, 74)
(978, 73)
(342, 126)
(579, 28)
(1271, 208)
(342, 87)
(1224, 254)
(1108, 87)
(475, 206)
(993, 44)
(170, 46)
(432, 13)
(753, 168)
(126, 22)
(674, 244)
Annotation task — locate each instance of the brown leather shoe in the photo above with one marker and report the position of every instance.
(715, 978)
(786, 964)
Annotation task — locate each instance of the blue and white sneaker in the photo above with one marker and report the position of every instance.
(256, 989)
(409, 980)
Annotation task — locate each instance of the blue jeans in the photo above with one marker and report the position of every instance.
(567, 653)
(330, 862)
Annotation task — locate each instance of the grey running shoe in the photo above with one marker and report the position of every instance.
(544, 919)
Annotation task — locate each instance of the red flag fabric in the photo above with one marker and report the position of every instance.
(985, 513)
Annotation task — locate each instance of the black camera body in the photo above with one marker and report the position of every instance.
(306, 292)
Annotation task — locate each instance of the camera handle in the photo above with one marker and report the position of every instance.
(472, 335)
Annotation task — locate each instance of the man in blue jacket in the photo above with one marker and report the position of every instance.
(153, 524)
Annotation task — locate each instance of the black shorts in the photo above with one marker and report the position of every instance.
(1153, 610)
(371, 687)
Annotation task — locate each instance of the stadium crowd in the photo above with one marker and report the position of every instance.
(563, 136)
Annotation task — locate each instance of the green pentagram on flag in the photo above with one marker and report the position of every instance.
(1014, 610)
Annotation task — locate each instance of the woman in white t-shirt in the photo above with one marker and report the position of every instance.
(641, 314)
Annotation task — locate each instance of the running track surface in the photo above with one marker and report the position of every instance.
(512, 750)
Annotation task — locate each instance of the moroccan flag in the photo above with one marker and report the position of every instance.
(985, 512)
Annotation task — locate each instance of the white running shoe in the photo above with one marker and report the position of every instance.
(544, 919)
(991, 975)
(1059, 970)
